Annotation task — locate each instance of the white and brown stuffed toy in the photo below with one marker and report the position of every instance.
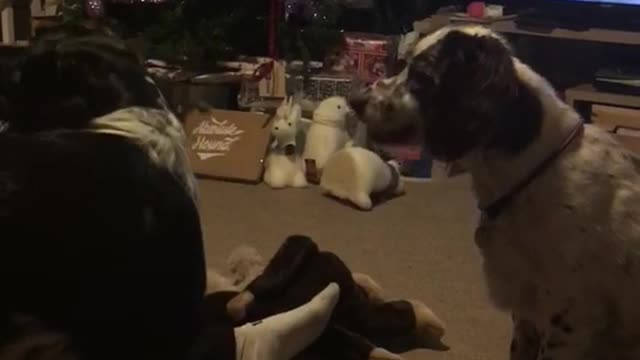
(356, 175)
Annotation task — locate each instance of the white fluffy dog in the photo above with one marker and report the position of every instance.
(560, 232)
(355, 173)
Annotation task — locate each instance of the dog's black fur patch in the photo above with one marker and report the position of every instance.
(470, 96)
(97, 241)
(69, 77)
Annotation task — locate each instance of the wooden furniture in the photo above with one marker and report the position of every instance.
(8, 24)
(26, 16)
(624, 123)
(616, 113)
(588, 93)
(509, 27)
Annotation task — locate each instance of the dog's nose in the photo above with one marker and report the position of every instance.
(359, 99)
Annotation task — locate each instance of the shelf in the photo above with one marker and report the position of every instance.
(17, 44)
(595, 35)
(587, 93)
(510, 27)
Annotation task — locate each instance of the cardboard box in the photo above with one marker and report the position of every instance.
(229, 145)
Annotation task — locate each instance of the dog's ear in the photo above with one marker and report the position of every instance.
(465, 84)
(481, 62)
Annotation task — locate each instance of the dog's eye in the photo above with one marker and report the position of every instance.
(420, 76)
(339, 107)
(413, 86)
(277, 128)
(419, 84)
(289, 124)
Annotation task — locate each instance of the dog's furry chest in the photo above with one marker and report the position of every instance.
(527, 268)
(574, 229)
(571, 239)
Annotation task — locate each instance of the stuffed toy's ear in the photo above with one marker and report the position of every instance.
(282, 110)
(296, 112)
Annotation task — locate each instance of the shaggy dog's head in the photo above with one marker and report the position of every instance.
(460, 92)
(89, 80)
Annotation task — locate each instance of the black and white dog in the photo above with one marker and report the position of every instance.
(99, 230)
(560, 232)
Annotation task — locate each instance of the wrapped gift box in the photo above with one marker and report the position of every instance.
(368, 56)
(315, 88)
(321, 86)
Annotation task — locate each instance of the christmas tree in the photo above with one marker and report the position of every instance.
(309, 29)
(198, 34)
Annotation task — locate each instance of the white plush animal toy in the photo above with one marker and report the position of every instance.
(327, 134)
(284, 167)
(356, 174)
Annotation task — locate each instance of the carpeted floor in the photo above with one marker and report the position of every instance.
(418, 246)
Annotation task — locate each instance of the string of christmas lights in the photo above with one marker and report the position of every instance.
(96, 8)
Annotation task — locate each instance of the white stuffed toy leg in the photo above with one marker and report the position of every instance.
(277, 172)
(362, 200)
(299, 179)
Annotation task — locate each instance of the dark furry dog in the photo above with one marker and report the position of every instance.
(100, 232)
(560, 230)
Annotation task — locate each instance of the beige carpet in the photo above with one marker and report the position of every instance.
(418, 246)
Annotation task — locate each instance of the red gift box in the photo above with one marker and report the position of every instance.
(369, 56)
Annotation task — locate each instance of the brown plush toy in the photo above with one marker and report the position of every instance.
(364, 325)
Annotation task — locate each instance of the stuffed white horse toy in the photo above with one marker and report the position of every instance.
(284, 166)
